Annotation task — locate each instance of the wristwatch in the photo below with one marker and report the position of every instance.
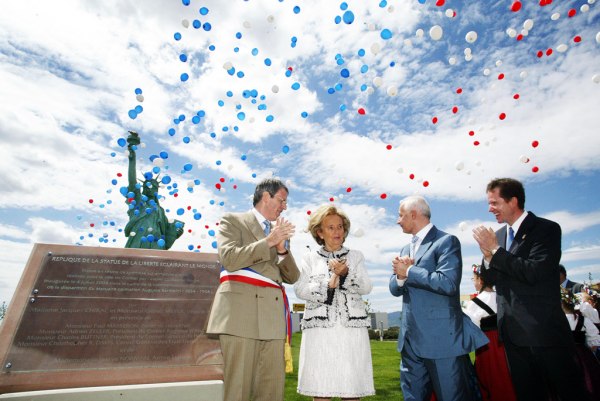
(283, 253)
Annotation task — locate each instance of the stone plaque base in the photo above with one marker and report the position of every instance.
(88, 316)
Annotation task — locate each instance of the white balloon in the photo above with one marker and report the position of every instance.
(462, 226)
(227, 65)
(467, 50)
(158, 161)
(270, 19)
(251, 120)
(598, 38)
(591, 1)
(377, 81)
(390, 9)
(459, 166)
(436, 32)
(449, 13)
(392, 91)
(524, 32)
(407, 42)
(596, 79)
(185, 23)
(498, 63)
(247, 25)
(524, 159)
(140, 98)
(486, 72)
(370, 90)
(528, 24)
(511, 32)
(190, 184)
(471, 36)
(452, 60)
(419, 33)
(375, 48)
(562, 48)
(359, 232)
(275, 89)
(555, 16)
(584, 8)
(523, 74)
(468, 57)
(400, 170)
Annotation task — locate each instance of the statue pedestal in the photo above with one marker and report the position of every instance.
(210, 390)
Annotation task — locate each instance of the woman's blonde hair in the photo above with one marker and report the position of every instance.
(316, 218)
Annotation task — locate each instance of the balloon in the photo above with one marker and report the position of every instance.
(452, 60)
(511, 32)
(392, 91)
(436, 32)
(486, 72)
(471, 36)
(516, 6)
(247, 25)
(419, 33)
(598, 38)
(377, 81)
(185, 23)
(562, 48)
(275, 89)
(555, 16)
(375, 48)
(462, 226)
(524, 159)
(528, 24)
(596, 79)
(121, 142)
(348, 17)
(285, 149)
(459, 166)
(386, 34)
(139, 98)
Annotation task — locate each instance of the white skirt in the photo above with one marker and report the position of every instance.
(335, 362)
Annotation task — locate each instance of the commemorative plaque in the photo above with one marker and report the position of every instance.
(88, 316)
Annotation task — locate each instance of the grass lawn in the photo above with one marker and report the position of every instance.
(386, 363)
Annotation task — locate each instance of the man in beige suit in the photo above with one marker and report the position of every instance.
(248, 311)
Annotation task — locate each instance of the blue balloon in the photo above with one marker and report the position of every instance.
(295, 86)
(171, 131)
(383, 3)
(270, 118)
(138, 109)
(156, 169)
(201, 113)
(150, 238)
(337, 19)
(196, 119)
(268, 62)
(132, 114)
(343, 6)
(211, 233)
(361, 52)
(348, 17)
(183, 57)
(203, 11)
(196, 24)
(254, 51)
(243, 157)
(177, 36)
(207, 27)
(184, 77)
(304, 114)
(186, 139)
(161, 243)
(166, 179)
(138, 91)
(241, 116)
(186, 2)
(164, 155)
(285, 149)
(121, 142)
(197, 216)
(180, 211)
(214, 244)
(386, 34)
(364, 68)
(345, 73)
(296, 10)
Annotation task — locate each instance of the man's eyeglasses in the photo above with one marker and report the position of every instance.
(282, 202)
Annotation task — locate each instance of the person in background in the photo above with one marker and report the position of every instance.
(250, 307)
(587, 340)
(335, 353)
(435, 335)
(566, 283)
(490, 360)
(522, 259)
(588, 301)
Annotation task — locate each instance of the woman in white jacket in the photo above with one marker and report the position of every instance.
(335, 354)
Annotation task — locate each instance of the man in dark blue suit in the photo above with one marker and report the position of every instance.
(522, 259)
(435, 335)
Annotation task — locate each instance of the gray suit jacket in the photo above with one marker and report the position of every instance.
(432, 318)
(246, 310)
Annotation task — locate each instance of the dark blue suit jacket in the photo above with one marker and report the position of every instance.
(432, 317)
(527, 285)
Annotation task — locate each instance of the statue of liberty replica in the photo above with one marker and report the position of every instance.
(148, 226)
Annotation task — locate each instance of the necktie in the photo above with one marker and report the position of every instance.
(267, 228)
(413, 244)
(510, 239)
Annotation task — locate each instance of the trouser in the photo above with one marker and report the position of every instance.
(253, 369)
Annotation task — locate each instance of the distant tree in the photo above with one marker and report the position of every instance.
(3, 308)
(368, 306)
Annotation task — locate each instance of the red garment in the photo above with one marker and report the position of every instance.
(492, 371)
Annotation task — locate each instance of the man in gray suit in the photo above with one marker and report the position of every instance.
(249, 309)
(435, 335)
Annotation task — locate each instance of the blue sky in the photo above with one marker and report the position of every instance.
(69, 71)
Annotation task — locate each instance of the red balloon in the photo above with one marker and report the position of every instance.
(548, 52)
(189, 230)
(502, 116)
(218, 186)
(222, 179)
(572, 12)
(516, 6)
(176, 194)
(361, 111)
(540, 54)
(520, 36)
(389, 147)
(440, 3)
(119, 175)
(471, 133)
(476, 143)
(455, 109)
(577, 39)
(535, 144)
(308, 212)
(234, 186)
(516, 96)
(331, 199)
(535, 169)
(91, 224)
(348, 189)
(501, 76)
(434, 120)
(425, 184)
(383, 196)
(412, 176)
(459, 90)
(91, 201)
(189, 208)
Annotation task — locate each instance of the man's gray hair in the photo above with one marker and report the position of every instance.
(417, 203)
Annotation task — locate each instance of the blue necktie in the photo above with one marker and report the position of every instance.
(267, 228)
(413, 244)
(511, 238)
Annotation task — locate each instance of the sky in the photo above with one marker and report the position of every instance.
(356, 103)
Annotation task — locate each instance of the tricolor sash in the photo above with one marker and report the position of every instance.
(249, 276)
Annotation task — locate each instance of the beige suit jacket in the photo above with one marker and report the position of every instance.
(245, 310)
